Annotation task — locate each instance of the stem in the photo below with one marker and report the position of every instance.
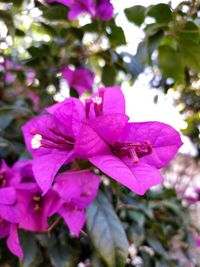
(52, 226)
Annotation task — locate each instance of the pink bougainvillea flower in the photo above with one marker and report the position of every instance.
(80, 79)
(24, 169)
(77, 190)
(137, 150)
(77, 7)
(104, 9)
(33, 207)
(51, 138)
(101, 9)
(130, 153)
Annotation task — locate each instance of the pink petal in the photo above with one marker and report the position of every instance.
(113, 100)
(9, 213)
(75, 219)
(137, 177)
(46, 167)
(70, 113)
(89, 143)
(77, 187)
(13, 242)
(7, 195)
(109, 126)
(43, 125)
(4, 228)
(68, 75)
(165, 141)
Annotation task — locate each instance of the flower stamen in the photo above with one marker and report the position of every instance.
(135, 151)
(36, 141)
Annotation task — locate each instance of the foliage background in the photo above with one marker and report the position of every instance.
(39, 38)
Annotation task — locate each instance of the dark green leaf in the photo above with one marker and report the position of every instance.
(107, 233)
(190, 53)
(56, 12)
(137, 217)
(58, 255)
(5, 119)
(20, 33)
(161, 12)
(190, 32)
(157, 246)
(170, 62)
(91, 27)
(108, 75)
(49, 29)
(117, 36)
(29, 245)
(17, 3)
(136, 14)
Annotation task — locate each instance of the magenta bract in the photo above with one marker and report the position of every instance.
(76, 190)
(101, 9)
(80, 79)
(99, 131)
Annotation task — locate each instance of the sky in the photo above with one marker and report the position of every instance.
(139, 97)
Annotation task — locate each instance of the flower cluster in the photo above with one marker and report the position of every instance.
(23, 206)
(100, 9)
(97, 131)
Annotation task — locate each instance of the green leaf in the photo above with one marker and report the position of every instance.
(56, 12)
(137, 217)
(91, 27)
(49, 29)
(153, 28)
(108, 75)
(116, 36)
(135, 14)
(30, 249)
(5, 119)
(157, 246)
(190, 52)
(161, 12)
(170, 62)
(57, 249)
(147, 47)
(59, 255)
(19, 33)
(107, 233)
(190, 32)
(17, 3)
